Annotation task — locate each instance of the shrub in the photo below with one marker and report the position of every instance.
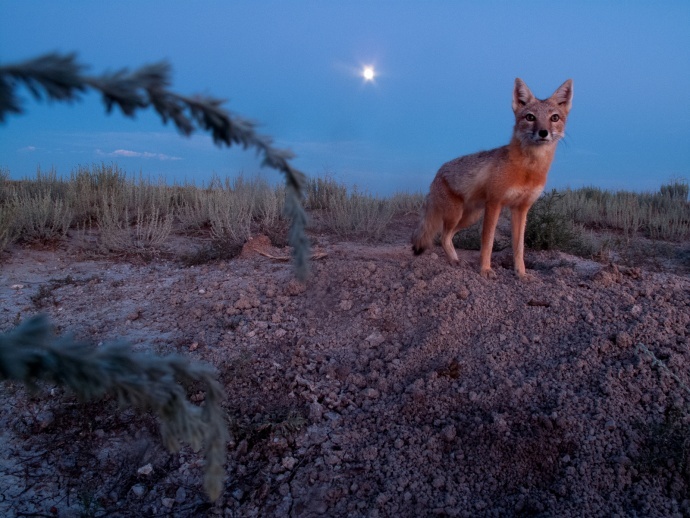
(469, 238)
(8, 230)
(548, 226)
(664, 215)
(89, 186)
(405, 203)
(144, 234)
(676, 190)
(323, 192)
(40, 216)
(359, 214)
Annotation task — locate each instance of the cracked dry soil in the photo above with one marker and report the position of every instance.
(388, 385)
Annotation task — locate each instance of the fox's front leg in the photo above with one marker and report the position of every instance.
(491, 213)
(519, 222)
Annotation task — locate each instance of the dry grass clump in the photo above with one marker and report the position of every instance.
(405, 203)
(323, 192)
(142, 234)
(231, 210)
(39, 209)
(664, 215)
(677, 189)
(90, 186)
(359, 214)
(8, 230)
(602, 224)
(41, 217)
(353, 213)
(241, 204)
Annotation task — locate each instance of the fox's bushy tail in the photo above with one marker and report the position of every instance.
(429, 225)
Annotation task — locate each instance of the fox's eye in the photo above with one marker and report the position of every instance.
(555, 117)
(530, 117)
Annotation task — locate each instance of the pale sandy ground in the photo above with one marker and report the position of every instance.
(388, 385)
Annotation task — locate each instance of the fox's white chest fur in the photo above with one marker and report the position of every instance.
(515, 196)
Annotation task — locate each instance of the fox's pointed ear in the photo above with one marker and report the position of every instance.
(521, 94)
(564, 95)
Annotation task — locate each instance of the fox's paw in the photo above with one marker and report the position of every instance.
(418, 250)
(463, 263)
(526, 277)
(523, 275)
(488, 273)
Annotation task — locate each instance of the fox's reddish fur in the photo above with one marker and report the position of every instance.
(484, 182)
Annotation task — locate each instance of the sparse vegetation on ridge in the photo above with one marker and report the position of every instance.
(137, 215)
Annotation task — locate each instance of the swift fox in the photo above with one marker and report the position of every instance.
(484, 182)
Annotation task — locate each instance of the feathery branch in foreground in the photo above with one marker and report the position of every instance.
(31, 352)
(61, 78)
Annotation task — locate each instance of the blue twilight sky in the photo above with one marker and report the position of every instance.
(445, 72)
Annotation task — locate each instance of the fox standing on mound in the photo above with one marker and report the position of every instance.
(512, 176)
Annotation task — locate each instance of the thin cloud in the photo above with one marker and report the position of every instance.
(138, 154)
(27, 149)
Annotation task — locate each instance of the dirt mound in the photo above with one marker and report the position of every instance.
(388, 385)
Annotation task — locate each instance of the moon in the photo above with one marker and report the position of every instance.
(368, 73)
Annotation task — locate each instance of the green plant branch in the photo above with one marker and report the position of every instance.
(31, 352)
(60, 78)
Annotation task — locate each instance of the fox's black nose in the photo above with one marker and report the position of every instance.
(543, 133)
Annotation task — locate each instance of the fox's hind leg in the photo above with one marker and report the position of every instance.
(444, 208)
(451, 220)
(447, 244)
(469, 218)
